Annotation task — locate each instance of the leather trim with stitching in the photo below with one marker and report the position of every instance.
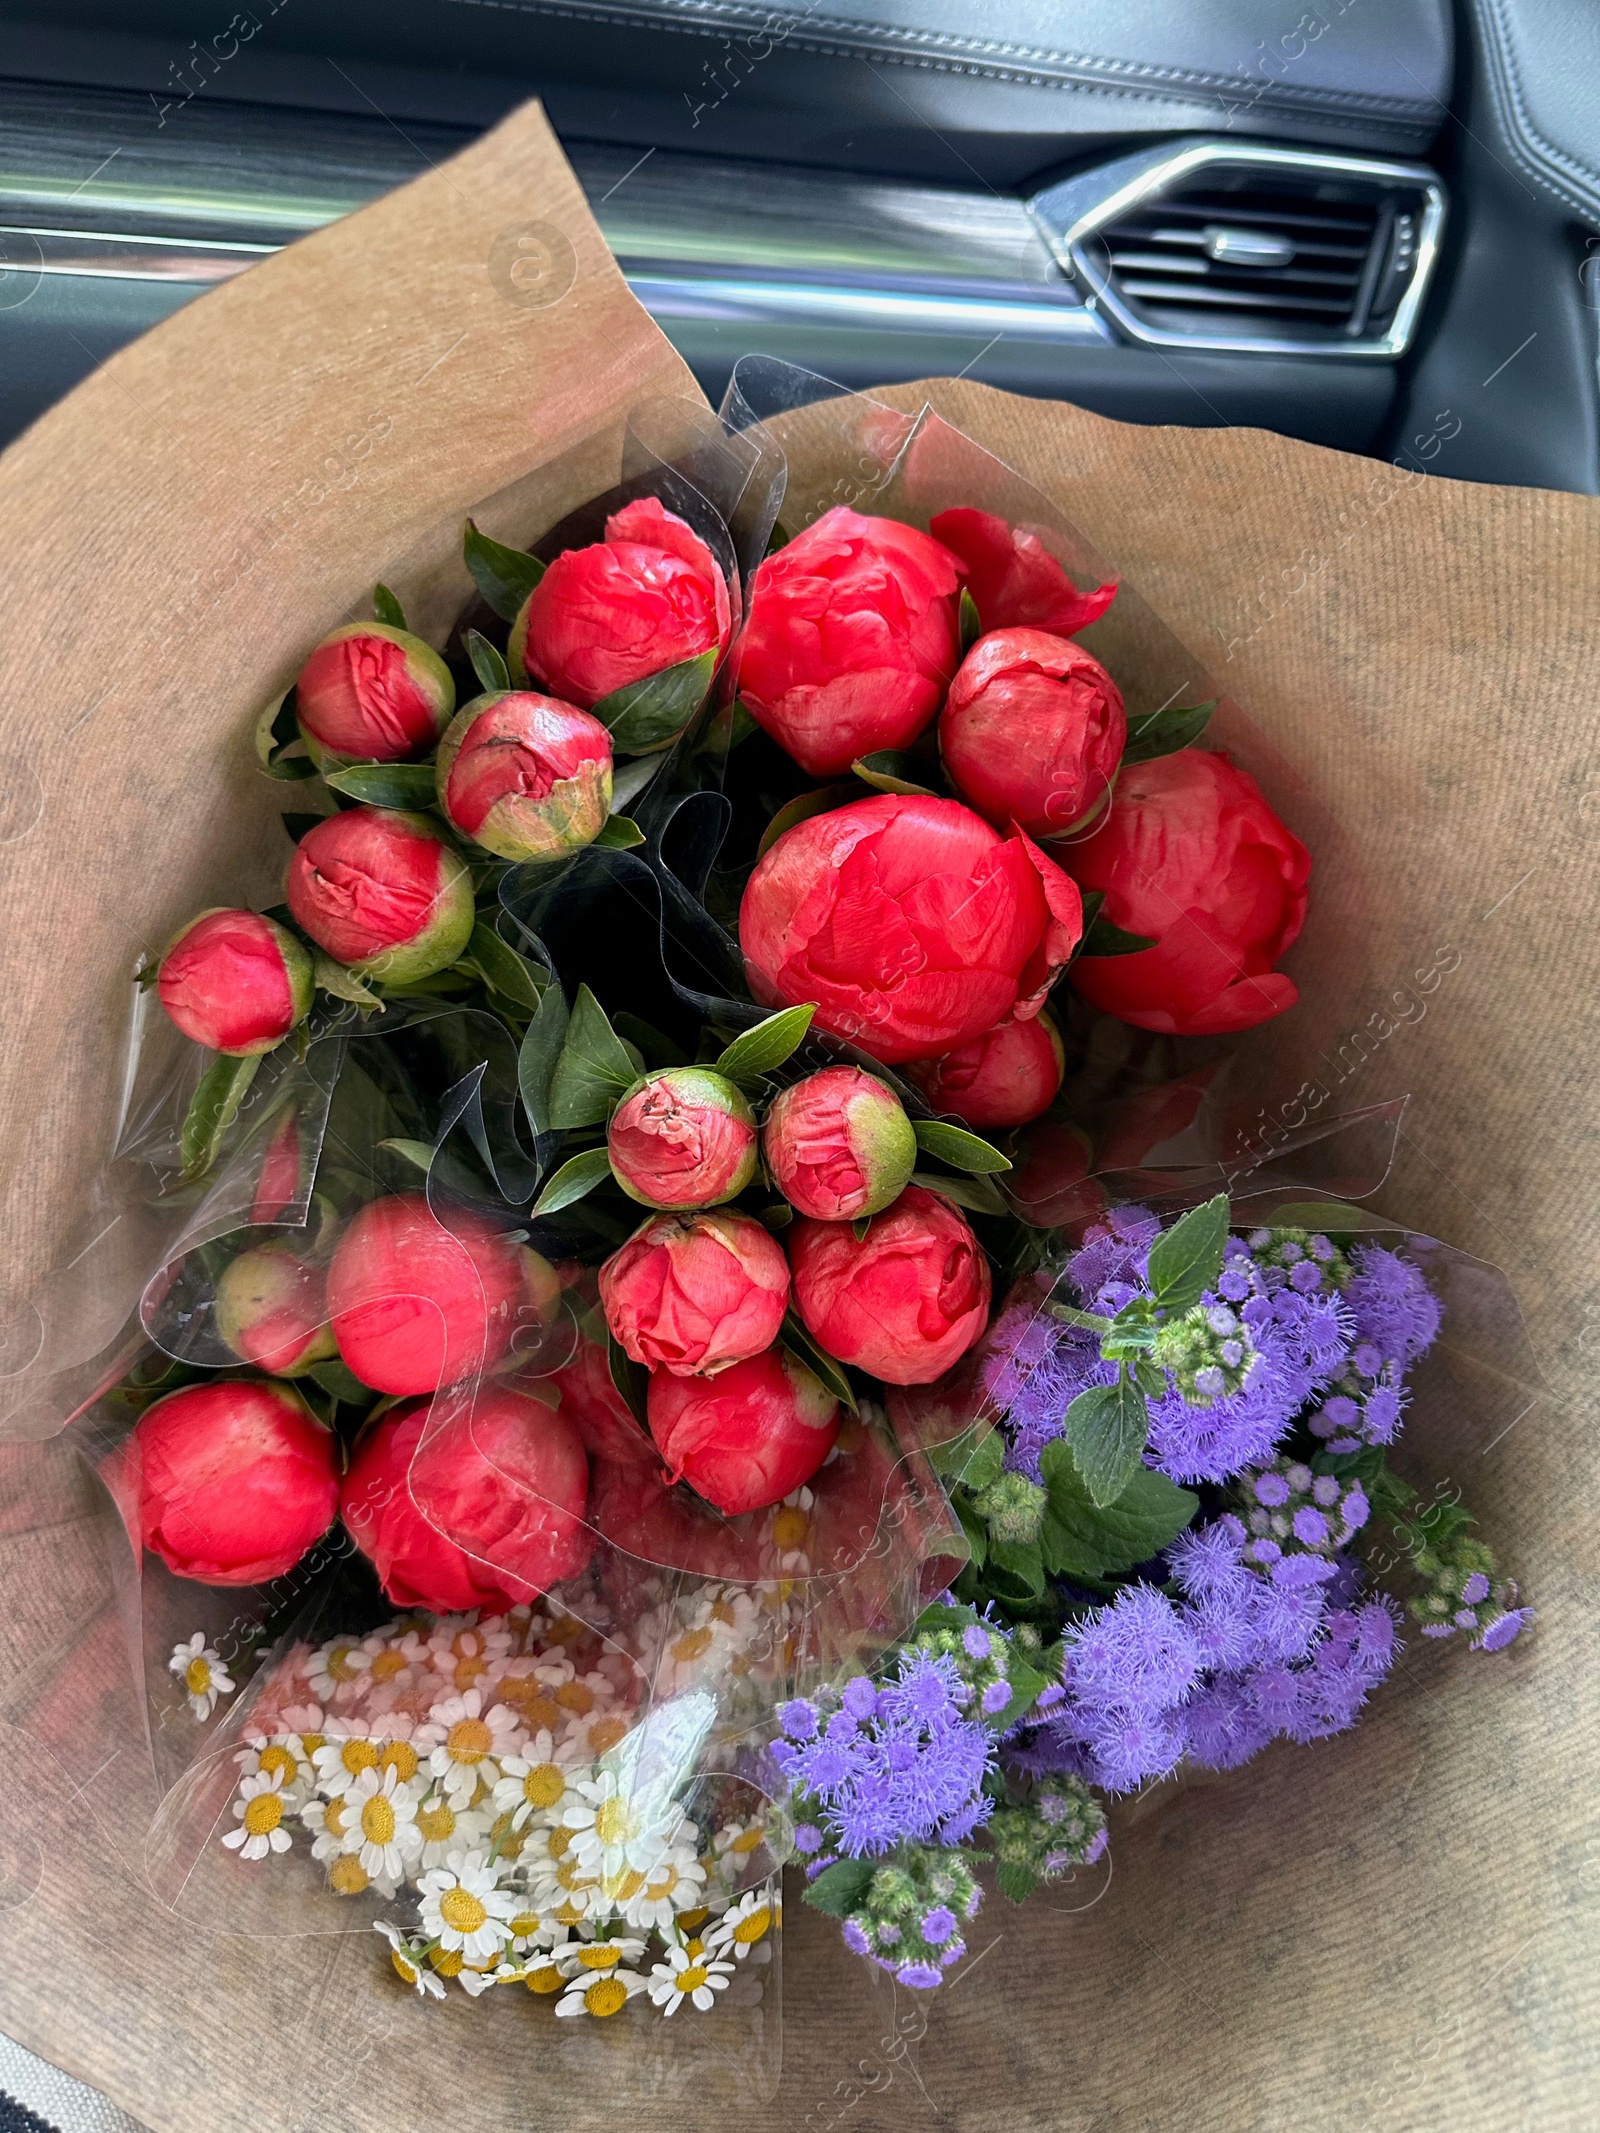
(1564, 176)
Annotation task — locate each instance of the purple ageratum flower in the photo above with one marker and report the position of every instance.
(860, 1697)
(1391, 1303)
(1476, 1589)
(807, 1838)
(975, 1641)
(1503, 1630)
(995, 1698)
(855, 1938)
(921, 1977)
(1303, 1341)
(1206, 1560)
(1137, 1654)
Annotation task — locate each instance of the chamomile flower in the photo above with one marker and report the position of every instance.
(337, 1670)
(612, 1829)
(392, 1665)
(259, 1812)
(202, 1673)
(538, 1781)
(581, 1958)
(326, 1821)
(465, 1740)
(348, 1749)
(676, 1883)
(697, 1978)
(737, 1840)
(287, 1755)
(604, 1993)
(381, 1824)
(445, 1828)
(408, 1957)
(791, 1533)
(744, 1924)
(465, 1909)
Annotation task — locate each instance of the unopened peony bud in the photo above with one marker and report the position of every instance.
(685, 1137)
(271, 1309)
(235, 982)
(748, 1436)
(505, 1479)
(415, 1305)
(693, 1293)
(370, 693)
(1032, 731)
(381, 890)
(235, 1480)
(901, 1301)
(525, 776)
(1003, 1078)
(839, 1145)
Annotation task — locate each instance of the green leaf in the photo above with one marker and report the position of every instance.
(841, 1888)
(759, 1051)
(731, 725)
(296, 825)
(577, 1176)
(413, 786)
(343, 984)
(971, 622)
(959, 1148)
(1186, 1260)
(337, 1379)
(1085, 1539)
(1107, 1428)
(1100, 937)
(628, 782)
(1164, 732)
(987, 1458)
(277, 734)
(619, 834)
(488, 664)
(889, 769)
(650, 714)
(1015, 1881)
(536, 1061)
(808, 804)
(631, 1379)
(593, 1069)
(1331, 1217)
(817, 1360)
(1020, 1563)
(977, 1533)
(212, 1110)
(504, 576)
(419, 1154)
(387, 608)
(976, 1195)
(1028, 1684)
(503, 969)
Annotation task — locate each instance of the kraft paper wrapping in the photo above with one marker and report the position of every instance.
(1394, 1929)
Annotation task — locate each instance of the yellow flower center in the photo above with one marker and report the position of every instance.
(544, 1785)
(525, 1923)
(573, 1696)
(347, 1877)
(468, 1741)
(507, 1842)
(693, 1644)
(333, 1817)
(276, 1759)
(689, 1978)
(664, 1880)
(790, 1527)
(694, 1948)
(387, 1664)
(750, 1930)
(623, 1887)
(568, 1913)
(605, 1733)
(358, 1755)
(528, 1696)
(197, 1676)
(691, 1921)
(601, 1955)
(406, 1969)
(342, 1665)
(436, 1822)
(547, 1978)
(311, 1742)
(748, 1840)
(461, 1911)
(612, 1822)
(557, 1842)
(377, 1821)
(606, 1996)
(569, 1875)
(447, 1961)
(400, 1757)
(469, 1669)
(723, 1611)
(263, 1814)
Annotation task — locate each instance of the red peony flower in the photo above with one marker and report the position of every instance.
(372, 693)
(589, 1396)
(693, 1293)
(650, 596)
(910, 923)
(415, 1305)
(1003, 1078)
(1194, 858)
(525, 776)
(685, 1137)
(852, 639)
(235, 982)
(748, 1436)
(1014, 580)
(1032, 731)
(235, 1480)
(901, 1301)
(839, 1144)
(272, 1310)
(381, 890)
(488, 1512)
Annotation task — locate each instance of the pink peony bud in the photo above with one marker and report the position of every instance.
(1014, 580)
(415, 1305)
(1003, 1078)
(370, 693)
(272, 1310)
(694, 1293)
(525, 776)
(685, 1137)
(506, 1478)
(649, 596)
(235, 982)
(382, 891)
(235, 1480)
(1032, 731)
(839, 1145)
(748, 1436)
(903, 1300)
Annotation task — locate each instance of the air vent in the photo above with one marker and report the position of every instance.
(1260, 250)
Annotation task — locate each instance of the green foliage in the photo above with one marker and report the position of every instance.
(212, 1110)
(959, 1148)
(1106, 1431)
(650, 714)
(1165, 731)
(1186, 1259)
(504, 576)
(1084, 1539)
(758, 1052)
(593, 1068)
(579, 1175)
(412, 786)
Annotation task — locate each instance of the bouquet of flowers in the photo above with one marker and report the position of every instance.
(705, 1308)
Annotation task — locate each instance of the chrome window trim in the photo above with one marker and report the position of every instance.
(1067, 215)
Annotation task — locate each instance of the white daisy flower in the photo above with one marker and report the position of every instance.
(613, 1829)
(287, 1755)
(791, 1533)
(445, 1828)
(259, 1812)
(736, 1841)
(336, 1671)
(745, 1924)
(391, 1665)
(326, 1820)
(475, 1978)
(409, 1959)
(697, 1978)
(381, 1824)
(348, 1749)
(539, 1780)
(676, 1883)
(202, 1673)
(582, 1958)
(465, 1909)
(602, 1995)
(556, 1877)
(465, 1740)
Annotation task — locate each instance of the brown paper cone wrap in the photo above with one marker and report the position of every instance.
(1394, 1929)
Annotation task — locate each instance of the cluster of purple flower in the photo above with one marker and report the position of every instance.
(1394, 1320)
